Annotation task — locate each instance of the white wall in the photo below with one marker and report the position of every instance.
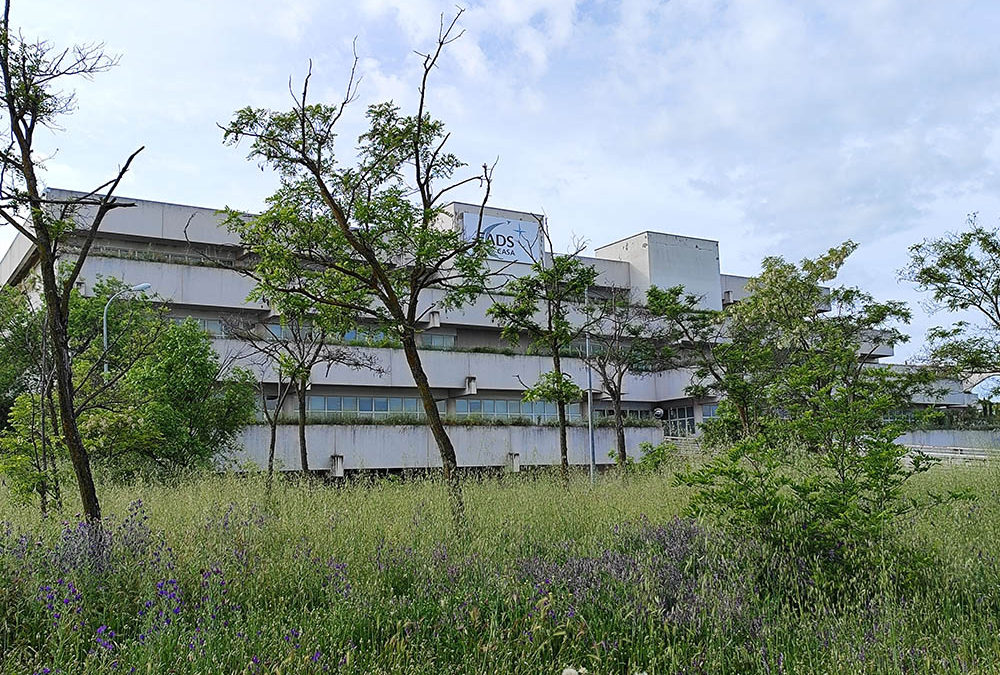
(952, 438)
(178, 284)
(665, 260)
(409, 447)
(447, 370)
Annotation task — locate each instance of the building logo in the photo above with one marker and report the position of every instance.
(513, 240)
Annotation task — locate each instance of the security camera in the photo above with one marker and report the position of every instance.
(658, 413)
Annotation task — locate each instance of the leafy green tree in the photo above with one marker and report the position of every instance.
(367, 240)
(30, 446)
(191, 403)
(28, 428)
(547, 304)
(808, 421)
(135, 324)
(961, 271)
(28, 455)
(20, 345)
(33, 76)
(165, 402)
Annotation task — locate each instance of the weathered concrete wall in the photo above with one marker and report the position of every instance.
(447, 370)
(410, 447)
(221, 289)
(14, 261)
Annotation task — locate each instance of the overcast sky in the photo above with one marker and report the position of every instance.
(775, 127)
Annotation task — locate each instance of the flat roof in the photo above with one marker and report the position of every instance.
(668, 234)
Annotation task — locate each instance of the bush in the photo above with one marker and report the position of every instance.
(656, 458)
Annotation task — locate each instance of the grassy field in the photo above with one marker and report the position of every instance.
(212, 577)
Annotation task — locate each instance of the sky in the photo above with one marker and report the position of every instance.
(777, 127)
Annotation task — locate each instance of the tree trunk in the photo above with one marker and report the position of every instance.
(272, 441)
(54, 467)
(43, 494)
(561, 409)
(449, 460)
(303, 455)
(41, 455)
(620, 430)
(65, 391)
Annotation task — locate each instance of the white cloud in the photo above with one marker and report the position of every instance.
(775, 126)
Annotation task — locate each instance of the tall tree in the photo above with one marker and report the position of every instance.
(366, 240)
(290, 349)
(548, 305)
(626, 340)
(961, 271)
(33, 75)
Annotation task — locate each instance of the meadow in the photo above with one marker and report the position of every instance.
(210, 575)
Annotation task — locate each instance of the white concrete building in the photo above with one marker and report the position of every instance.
(471, 371)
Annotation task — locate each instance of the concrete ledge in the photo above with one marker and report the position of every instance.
(412, 446)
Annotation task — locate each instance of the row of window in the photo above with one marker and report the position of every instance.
(678, 421)
(498, 408)
(287, 332)
(213, 327)
(631, 413)
(376, 406)
(216, 328)
(355, 336)
(367, 406)
(437, 341)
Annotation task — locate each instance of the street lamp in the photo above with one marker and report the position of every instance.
(590, 395)
(138, 288)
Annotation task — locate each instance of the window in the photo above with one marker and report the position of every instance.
(213, 327)
(499, 408)
(366, 407)
(364, 336)
(437, 341)
(709, 410)
(679, 421)
(286, 332)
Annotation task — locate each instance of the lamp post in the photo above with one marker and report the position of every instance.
(138, 288)
(590, 396)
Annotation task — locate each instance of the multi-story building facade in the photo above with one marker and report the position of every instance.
(367, 419)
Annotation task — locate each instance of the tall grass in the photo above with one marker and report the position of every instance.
(209, 575)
